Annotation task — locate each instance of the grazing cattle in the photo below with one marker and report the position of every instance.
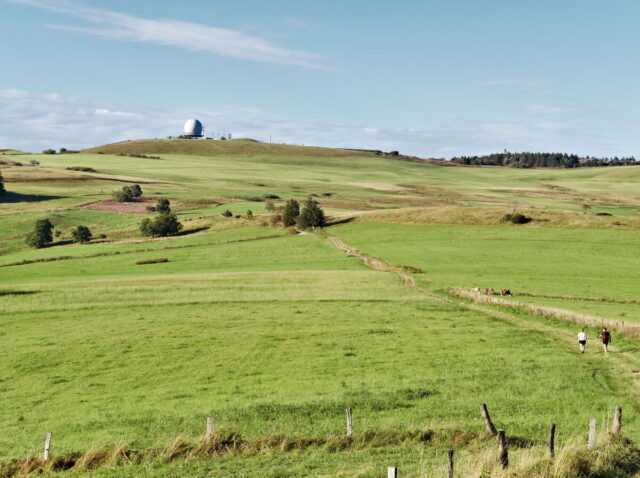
(489, 291)
(505, 292)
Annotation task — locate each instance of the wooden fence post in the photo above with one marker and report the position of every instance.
(47, 445)
(209, 426)
(450, 470)
(503, 449)
(392, 472)
(552, 441)
(349, 422)
(617, 421)
(487, 419)
(592, 433)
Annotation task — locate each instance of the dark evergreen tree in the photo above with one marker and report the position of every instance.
(41, 234)
(81, 234)
(312, 215)
(163, 205)
(290, 213)
(2, 189)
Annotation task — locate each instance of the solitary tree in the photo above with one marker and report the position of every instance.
(41, 234)
(81, 234)
(163, 225)
(163, 205)
(290, 213)
(312, 215)
(2, 189)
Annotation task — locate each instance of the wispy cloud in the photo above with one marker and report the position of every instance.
(185, 35)
(36, 121)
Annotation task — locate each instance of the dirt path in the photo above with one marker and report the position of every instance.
(626, 362)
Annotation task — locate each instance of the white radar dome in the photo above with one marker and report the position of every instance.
(193, 127)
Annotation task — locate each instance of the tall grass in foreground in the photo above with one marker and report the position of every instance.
(612, 455)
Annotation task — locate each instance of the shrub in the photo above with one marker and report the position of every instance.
(121, 196)
(49, 151)
(34, 162)
(152, 261)
(603, 214)
(516, 218)
(101, 236)
(290, 213)
(312, 215)
(163, 205)
(250, 214)
(81, 234)
(151, 208)
(63, 150)
(41, 234)
(82, 168)
(128, 193)
(134, 190)
(3, 191)
(271, 196)
(163, 225)
(227, 213)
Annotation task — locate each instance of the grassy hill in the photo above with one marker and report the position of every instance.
(274, 334)
(216, 147)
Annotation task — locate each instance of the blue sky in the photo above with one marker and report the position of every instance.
(430, 78)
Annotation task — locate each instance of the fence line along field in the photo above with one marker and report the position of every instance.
(123, 346)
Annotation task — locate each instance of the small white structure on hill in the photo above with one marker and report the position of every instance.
(193, 129)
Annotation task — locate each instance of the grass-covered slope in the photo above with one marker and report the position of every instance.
(273, 334)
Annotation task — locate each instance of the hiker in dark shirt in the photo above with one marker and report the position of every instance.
(605, 336)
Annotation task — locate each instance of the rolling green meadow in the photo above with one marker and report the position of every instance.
(273, 333)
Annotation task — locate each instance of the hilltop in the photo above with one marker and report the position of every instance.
(217, 147)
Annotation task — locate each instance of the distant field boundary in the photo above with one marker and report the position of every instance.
(135, 251)
(630, 330)
(580, 299)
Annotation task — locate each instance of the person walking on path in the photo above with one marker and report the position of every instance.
(582, 340)
(605, 336)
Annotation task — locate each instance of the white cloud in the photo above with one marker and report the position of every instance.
(185, 35)
(36, 121)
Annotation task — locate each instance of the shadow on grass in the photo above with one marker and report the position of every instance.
(10, 197)
(17, 292)
(192, 231)
(337, 222)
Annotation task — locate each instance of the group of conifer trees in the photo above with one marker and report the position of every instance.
(542, 160)
(310, 216)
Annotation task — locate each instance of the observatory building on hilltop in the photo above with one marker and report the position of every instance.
(193, 129)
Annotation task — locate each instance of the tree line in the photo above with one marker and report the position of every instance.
(542, 160)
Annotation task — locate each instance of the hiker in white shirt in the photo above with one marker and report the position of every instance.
(582, 340)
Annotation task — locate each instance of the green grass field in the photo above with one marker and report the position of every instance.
(274, 334)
